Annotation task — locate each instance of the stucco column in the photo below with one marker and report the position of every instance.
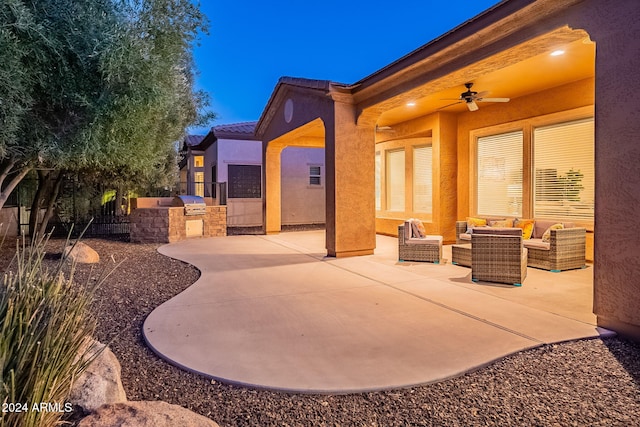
(617, 160)
(350, 197)
(273, 203)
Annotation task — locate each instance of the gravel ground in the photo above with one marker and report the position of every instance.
(584, 383)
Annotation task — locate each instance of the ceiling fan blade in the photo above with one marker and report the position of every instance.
(493, 99)
(480, 94)
(472, 106)
(449, 105)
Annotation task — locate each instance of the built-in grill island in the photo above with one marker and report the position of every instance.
(193, 205)
(167, 220)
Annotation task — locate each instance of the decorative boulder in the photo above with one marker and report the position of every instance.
(81, 253)
(100, 383)
(145, 414)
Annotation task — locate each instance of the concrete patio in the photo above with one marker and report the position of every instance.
(274, 312)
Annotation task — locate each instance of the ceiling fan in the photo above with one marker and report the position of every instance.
(470, 97)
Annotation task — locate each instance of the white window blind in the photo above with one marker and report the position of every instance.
(564, 170)
(499, 174)
(395, 180)
(422, 179)
(378, 178)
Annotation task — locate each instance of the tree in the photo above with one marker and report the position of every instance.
(109, 85)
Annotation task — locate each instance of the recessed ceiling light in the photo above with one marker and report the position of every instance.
(411, 104)
(557, 52)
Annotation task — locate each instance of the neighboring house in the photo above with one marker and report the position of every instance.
(565, 146)
(226, 165)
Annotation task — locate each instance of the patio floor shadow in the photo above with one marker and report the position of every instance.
(274, 312)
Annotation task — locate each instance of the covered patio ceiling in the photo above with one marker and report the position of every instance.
(522, 70)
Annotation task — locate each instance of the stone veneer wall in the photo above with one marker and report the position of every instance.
(168, 224)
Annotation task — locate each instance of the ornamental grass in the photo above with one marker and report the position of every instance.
(44, 320)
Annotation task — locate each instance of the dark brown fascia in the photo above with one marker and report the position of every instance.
(243, 136)
(206, 142)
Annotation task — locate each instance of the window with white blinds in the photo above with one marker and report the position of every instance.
(422, 179)
(378, 178)
(395, 180)
(564, 177)
(499, 174)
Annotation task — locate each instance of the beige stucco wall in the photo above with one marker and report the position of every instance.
(615, 28)
(439, 130)
(349, 154)
(302, 203)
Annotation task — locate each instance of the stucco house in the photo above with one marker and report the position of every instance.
(511, 113)
(226, 166)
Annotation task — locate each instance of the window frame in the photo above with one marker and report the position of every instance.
(313, 176)
(527, 126)
(198, 161)
(232, 181)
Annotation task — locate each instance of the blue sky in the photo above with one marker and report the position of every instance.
(251, 44)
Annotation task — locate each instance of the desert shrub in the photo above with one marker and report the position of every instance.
(44, 319)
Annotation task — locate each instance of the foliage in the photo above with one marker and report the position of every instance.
(571, 184)
(44, 320)
(96, 86)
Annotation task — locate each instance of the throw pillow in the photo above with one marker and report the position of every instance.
(546, 237)
(475, 222)
(505, 223)
(527, 227)
(417, 228)
(422, 232)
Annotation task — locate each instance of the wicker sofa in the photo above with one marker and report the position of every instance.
(564, 250)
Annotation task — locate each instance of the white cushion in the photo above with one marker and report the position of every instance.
(536, 244)
(427, 240)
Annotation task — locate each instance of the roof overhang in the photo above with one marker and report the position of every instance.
(285, 88)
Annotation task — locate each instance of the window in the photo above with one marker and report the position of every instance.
(198, 161)
(198, 178)
(314, 175)
(395, 180)
(499, 174)
(245, 181)
(378, 178)
(564, 170)
(422, 177)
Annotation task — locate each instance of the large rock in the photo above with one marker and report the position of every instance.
(145, 414)
(100, 383)
(81, 253)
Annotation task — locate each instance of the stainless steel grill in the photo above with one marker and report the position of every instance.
(193, 205)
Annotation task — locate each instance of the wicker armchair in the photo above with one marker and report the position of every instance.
(565, 250)
(427, 249)
(498, 258)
